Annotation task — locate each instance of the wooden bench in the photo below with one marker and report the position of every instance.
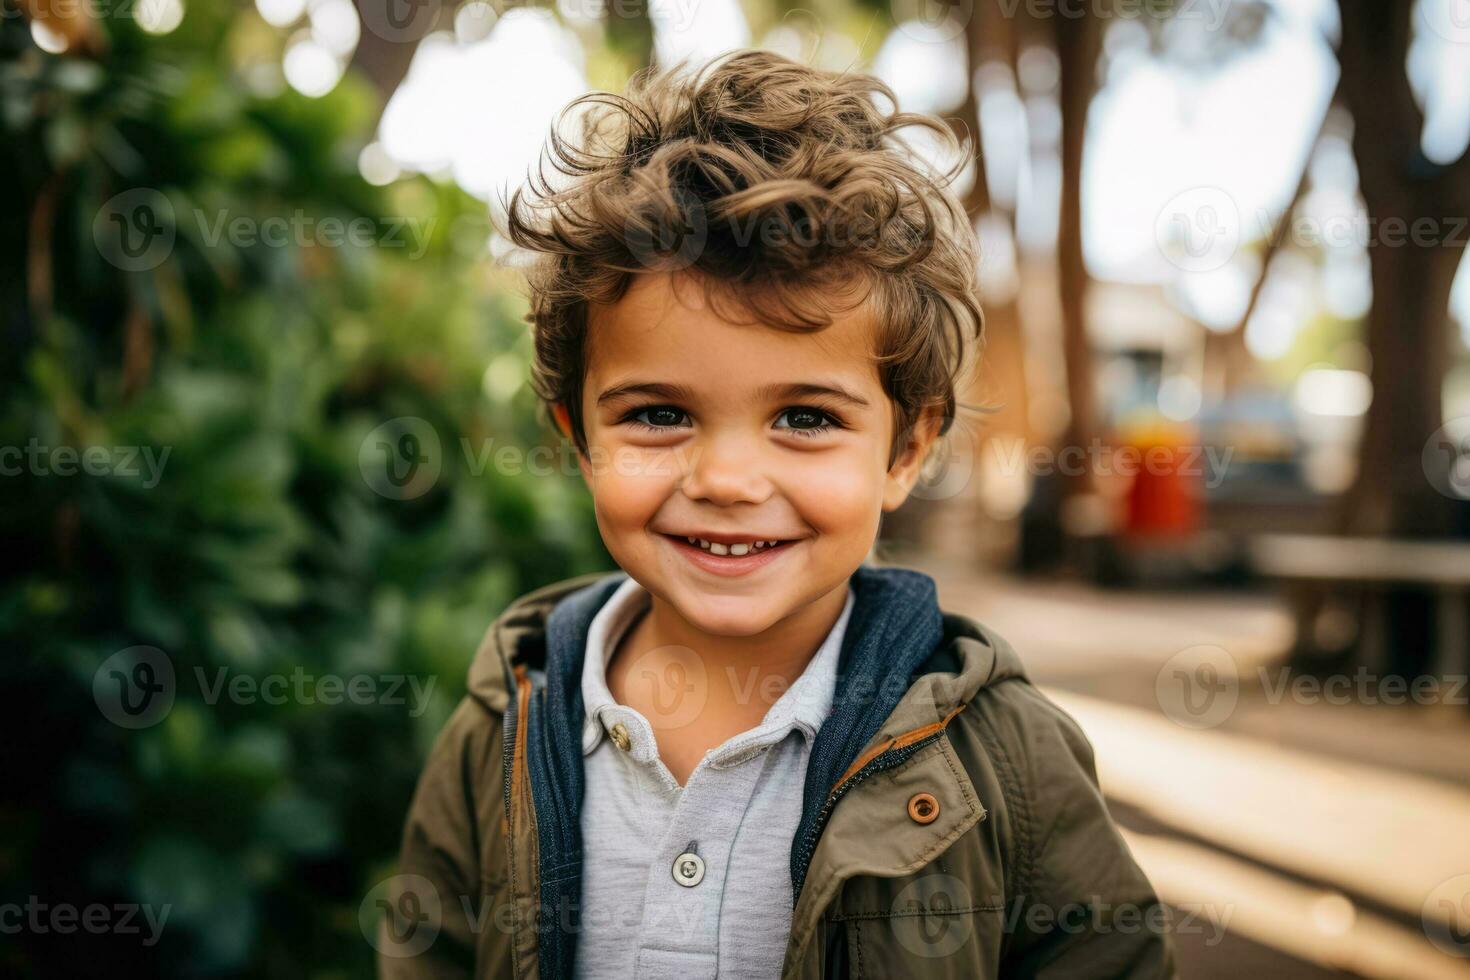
(1373, 565)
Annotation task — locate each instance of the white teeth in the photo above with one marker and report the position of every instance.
(739, 550)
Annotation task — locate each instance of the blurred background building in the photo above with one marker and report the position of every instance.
(267, 433)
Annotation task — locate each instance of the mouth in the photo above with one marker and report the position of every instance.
(728, 554)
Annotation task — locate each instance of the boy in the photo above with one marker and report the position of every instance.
(752, 755)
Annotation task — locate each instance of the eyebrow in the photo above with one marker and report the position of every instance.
(783, 392)
(771, 392)
(656, 389)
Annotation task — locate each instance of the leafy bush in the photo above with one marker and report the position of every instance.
(259, 545)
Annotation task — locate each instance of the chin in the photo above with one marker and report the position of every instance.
(727, 615)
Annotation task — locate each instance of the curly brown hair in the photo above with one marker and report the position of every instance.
(779, 186)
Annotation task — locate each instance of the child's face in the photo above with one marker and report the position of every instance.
(740, 435)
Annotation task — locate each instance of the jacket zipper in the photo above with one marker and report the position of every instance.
(511, 733)
(508, 749)
(509, 737)
(882, 763)
(899, 750)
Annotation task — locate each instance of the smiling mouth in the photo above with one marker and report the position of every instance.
(731, 549)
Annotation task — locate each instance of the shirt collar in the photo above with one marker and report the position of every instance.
(803, 706)
(620, 611)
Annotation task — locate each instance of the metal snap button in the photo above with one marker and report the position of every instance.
(923, 808)
(689, 867)
(620, 736)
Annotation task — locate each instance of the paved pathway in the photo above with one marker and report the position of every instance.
(1331, 830)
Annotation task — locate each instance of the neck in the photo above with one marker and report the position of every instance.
(743, 675)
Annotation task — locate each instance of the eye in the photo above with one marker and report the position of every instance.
(806, 421)
(659, 417)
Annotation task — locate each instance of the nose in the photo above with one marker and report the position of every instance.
(726, 469)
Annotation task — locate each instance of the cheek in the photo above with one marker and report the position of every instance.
(840, 493)
(628, 485)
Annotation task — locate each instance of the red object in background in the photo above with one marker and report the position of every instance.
(1163, 498)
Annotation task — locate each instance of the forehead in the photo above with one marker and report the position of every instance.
(665, 325)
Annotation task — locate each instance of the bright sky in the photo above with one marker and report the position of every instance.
(466, 107)
(1173, 150)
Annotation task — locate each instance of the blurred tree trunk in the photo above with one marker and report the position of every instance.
(1077, 40)
(1407, 329)
(1001, 376)
(1407, 335)
(391, 32)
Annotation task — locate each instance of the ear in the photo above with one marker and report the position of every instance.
(904, 472)
(563, 419)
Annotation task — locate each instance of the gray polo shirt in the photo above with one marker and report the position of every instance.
(695, 881)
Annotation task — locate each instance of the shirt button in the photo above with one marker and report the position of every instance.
(620, 736)
(688, 869)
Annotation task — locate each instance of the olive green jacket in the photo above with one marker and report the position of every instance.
(1014, 869)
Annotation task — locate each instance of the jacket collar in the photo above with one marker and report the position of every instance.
(971, 656)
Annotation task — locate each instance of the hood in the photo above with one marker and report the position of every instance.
(518, 638)
(970, 656)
